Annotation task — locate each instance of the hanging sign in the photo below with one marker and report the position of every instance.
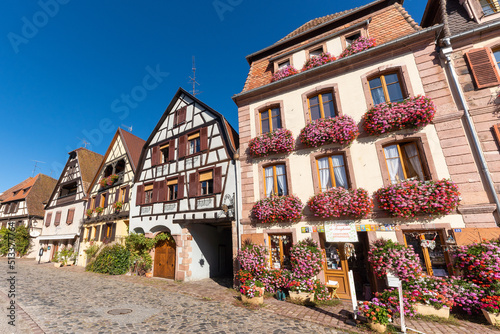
(341, 232)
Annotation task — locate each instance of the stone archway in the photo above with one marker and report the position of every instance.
(164, 258)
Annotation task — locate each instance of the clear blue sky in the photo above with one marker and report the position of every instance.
(67, 66)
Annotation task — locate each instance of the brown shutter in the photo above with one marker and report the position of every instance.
(82, 233)
(483, 67)
(162, 195)
(140, 195)
(104, 229)
(117, 194)
(113, 232)
(203, 139)
(181, 115)
(98, 201)
(125, 198)
(182, 146)
(217, 180)
(193, 184)
(156, 191)
(106, 197)
(154, 156)
(171, 150)
(97, 230)
(88, 203)
(71, 214)
(48, 219)
(57, 221)
(180, 186)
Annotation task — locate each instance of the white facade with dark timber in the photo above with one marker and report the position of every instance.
(185, 185)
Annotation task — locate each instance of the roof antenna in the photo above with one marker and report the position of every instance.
(129, 128)
(84, 142)
(193, 80)
(34, 168)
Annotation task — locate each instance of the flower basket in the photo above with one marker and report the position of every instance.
(89, 212)
(253, 300)
(375, 326)
(252, 291)
(411, 113)
(412, 198)
(340, 202)
(287, 208)
(103, 182)
(279, 141)
(422, 309)
(284, 73)
(316, 61)
(99, 210)
(301, 296)
(117, 206)
(492, 318)
(339, 130)
(360, 44)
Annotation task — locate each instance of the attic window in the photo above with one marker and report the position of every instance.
(490, 7)
(120, 166)
(26, 190)
(69, 189)
(351, 38)
(16, 192)
(282, 63)
(108, 171)
(316, 52)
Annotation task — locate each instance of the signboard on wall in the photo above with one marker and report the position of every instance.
(341, 231)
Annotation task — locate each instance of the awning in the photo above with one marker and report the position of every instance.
(58, 237)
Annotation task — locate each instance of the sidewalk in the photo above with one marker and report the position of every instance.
(332, 316)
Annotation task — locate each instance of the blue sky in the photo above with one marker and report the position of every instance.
(73, 70)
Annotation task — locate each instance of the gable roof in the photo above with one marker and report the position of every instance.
(40, 192)
(89, 163)
(16, 192)
(228, 132)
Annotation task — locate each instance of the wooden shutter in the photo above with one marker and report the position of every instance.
(82, 234)
(193, 184)
(203, 139)
(217, 180)
(156, 191)
(161, 191)
(48, 219)
(483, 67)
(140, 195)
(154, 156)
(113, 232)
(104, 229)
(181, 115)
(71, 214)
(125, 198)
(97, 201)
(117, 194)
(97, 230)
(106, 197)
(182, 146)
(88, 203)
(57, 221)
(180, 186)
(171, 150)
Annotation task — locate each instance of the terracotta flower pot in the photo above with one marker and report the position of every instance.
(379, 328)
(422, 309)
(493, 319)
(149, 275)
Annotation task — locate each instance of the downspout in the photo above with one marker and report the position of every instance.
(446, 52)
(237, 198)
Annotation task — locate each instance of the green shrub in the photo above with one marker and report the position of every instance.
(20, 236)
(65, 255)
(139, 247)
(91, 250)
(112, 260)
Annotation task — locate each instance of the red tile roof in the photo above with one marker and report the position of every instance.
(134, 146)
(18, 191)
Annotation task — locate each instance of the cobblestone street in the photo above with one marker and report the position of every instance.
(68, 300)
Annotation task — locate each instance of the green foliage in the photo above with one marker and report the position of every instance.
(65, 255)
(20, 236)
(139, 247)
(112, 260)
(91, 250)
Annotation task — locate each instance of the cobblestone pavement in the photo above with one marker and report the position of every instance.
(62, 300)
(70, 300)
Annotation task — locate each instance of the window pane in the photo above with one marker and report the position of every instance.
(281, 180)
(269, 180)
(276, 118)
(315, 112)
(395, 94)
(339, 171)
(329, 109)
(283, 64)
(265, 125)
(497, 56)
(394, 163)
(325, 179)
(378, 95)
(316, 52)
(391, 78)
(374, 83)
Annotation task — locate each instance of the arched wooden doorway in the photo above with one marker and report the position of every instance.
(164, 263)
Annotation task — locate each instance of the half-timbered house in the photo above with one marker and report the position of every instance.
(107, 214)
(65, 208)
(186, 187)
(22, 205)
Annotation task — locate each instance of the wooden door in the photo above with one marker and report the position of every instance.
(335, 266)
(164, 263)
(55, 250)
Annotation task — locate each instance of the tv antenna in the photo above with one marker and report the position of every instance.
(193, 80)
(129, 128)
(84, 142)
(36, 166)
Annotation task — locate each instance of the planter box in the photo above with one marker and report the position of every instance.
(302, 296)
(493, 319)
(422, 309)
(379, 328)
(253, 300)
(58, 264)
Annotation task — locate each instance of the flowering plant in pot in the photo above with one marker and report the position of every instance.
(99, 210)
(466, 294)
(360, 44)
(118, 206)
(103, 182)
(306, 259)
(274, 279)
(252, 291)
(315, 61)
(321, 292)
(278, 141)
(89, 212)
(376, 313)
(301, 285)
(252, 258)
(278, 209)
(412, 198)
(340, 202)
(390, 299)
(491, 309)
(413, 112)
(283, 73)
(338, 130)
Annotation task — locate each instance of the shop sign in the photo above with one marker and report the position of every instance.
(376, 227)
(310, 229)
(340, 232)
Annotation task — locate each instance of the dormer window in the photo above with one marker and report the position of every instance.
(490, 6)
(316, 52)
(108, 171)
(26, 190)
(283, 64)
(69, 189)
(351, 38)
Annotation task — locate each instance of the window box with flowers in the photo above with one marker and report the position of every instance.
(284, 73)
(319, 60)
(278, 141)
(109, 181)
(340, 202)
(274, 209)
(339, 130)
(117, 206)
(360, 44)
(98, 210)
(412, 198)
(89, 213)
(411, 113)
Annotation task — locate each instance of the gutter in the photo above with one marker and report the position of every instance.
(339, 62)
(473, 31)
(446, 52)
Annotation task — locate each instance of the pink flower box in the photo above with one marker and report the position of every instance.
(284, 73)
(340, 130)
(340, 202)
(276, 209)
(361, 44)
(316, 61)
(279, 141)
